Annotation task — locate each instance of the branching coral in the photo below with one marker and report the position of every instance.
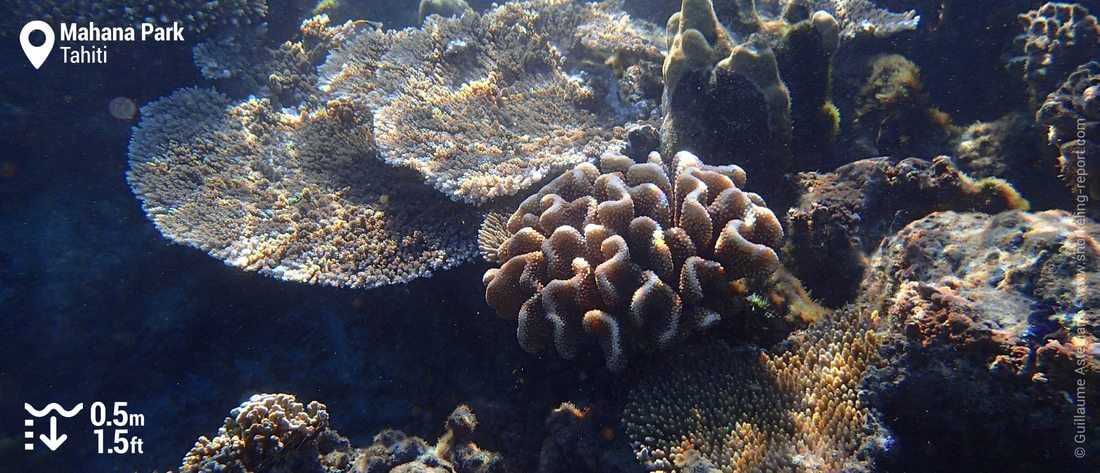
(266, 433)
(1072, 114)
(484, 106)
(297, 194)
(1059, 37)
(638, 255)
(794, 408)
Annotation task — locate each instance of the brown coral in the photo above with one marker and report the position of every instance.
(1058, 38)
(794, 408)
(639, 255)
(300, 195)
(1072, 114)
(266, 430)
(484, 106)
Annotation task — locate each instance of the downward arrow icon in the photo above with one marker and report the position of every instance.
(53, 441)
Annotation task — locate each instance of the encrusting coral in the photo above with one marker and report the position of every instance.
(796, 407)
(843, 215)
(276, 433)
(486, 105)
(1072, 114)
(1058, 38)
(296, 194)
(638, 255)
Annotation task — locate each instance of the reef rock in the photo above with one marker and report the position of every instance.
(991, 317)
(1072, 115)
(484, 106)
(638, 255)
(276, 433)
(796, 407)
(843, 215)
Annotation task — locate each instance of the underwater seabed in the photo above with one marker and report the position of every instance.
(555, 236)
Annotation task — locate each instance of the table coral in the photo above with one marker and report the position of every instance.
(796, 407)
(300, 195)
(484, 106)
(637, 255)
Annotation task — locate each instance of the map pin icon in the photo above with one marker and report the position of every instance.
(36, 54)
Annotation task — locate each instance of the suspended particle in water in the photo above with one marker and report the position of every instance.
(122, 108)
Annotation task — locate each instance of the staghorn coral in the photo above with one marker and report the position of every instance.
(484, 106)
(296, 194)
(753, 94)
(796, 407)
(1058, 38)
(199, 17)
(269, 432)
(638, 255)
(1072, 114)
(276, 433)
(1009, 304)
(843, 215)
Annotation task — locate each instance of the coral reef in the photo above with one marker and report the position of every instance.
(269, 432)
(576, 443)
(892, 116)
(1058, 38)
(454, 452)
(636, 255)
(276, 433)
(843, 215)
(296, 194)
(858, 17)
(199, 17)
(752, 94)
(796, 407)
(1072, 114)
(1009, 305)
(484, 106)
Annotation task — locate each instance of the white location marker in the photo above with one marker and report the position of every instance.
(36, 54)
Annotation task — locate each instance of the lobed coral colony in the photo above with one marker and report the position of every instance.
(636, 254)
(615, 181)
